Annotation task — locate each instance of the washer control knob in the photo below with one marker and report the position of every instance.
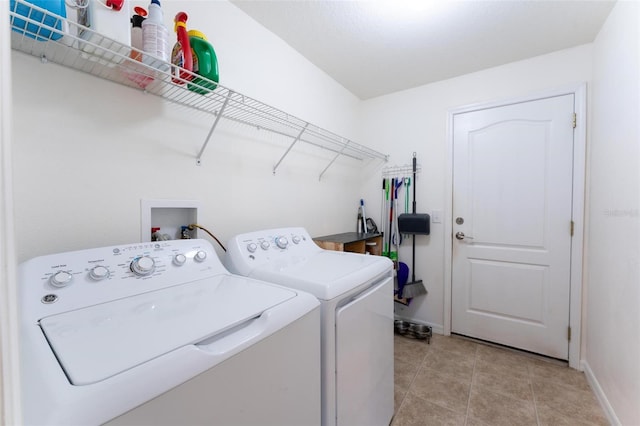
(295, 239)
(200, 256)
(179, 259)
(99, 273)
(265, 245)
(61, 279)
(252, 247)
(282, 242)
(143, 266)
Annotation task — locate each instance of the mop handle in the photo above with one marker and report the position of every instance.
(382, 204)
(413, 238)
(414, 182)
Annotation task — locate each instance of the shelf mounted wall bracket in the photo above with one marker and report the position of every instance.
(213, 127)
(334, 159)
(289, 149)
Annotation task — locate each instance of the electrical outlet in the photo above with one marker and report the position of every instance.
(436, 216)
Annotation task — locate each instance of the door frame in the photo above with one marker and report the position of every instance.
(10, 399)
(579, 181)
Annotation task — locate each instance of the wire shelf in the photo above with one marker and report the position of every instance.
(52, 38)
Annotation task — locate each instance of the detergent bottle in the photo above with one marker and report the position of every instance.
(181, 55)
(205, 63)
(155, 37)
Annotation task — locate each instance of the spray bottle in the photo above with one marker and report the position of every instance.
(155, 37)
(139, 74)
(136, 33)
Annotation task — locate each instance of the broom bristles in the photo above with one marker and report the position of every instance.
(413, 289)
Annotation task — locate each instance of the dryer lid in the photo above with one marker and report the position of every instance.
(98, 342)
(326, 274)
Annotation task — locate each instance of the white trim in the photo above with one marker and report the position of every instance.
(600, 395)
(579, 171)
(448, 226)
(577, 245)
(10, 411)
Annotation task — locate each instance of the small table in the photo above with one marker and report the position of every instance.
(356, 242)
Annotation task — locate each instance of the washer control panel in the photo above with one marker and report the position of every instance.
(77, 279)
(281, 245)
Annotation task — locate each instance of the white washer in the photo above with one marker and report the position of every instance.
(356, 295)
(161, 333)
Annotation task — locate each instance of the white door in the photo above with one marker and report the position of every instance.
(512, 210)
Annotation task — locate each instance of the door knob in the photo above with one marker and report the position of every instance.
(460, 235)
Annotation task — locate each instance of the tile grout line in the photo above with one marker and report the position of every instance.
(473, 372)
(420, 367)
(533, 394)
(404, 397)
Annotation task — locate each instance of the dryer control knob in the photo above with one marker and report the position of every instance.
(179, 259)
(200, 256)
(295, 239)
(265, 245)
(99, 273)
(143, 266)
(61, 279)
(282, 242)
(252, 247)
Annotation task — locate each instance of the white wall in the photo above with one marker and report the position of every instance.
(86, 151)
(416, 120)
(613, 256)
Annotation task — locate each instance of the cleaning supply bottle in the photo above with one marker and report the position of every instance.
(136, 33)
(155, 37)
(205, 63)
(139, 74)
(181, 55)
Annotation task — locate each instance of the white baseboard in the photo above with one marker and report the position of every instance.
(602, 398)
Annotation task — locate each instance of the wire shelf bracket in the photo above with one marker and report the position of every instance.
(289, 149)
(213, 127)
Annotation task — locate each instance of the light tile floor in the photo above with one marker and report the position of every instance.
(456, 381)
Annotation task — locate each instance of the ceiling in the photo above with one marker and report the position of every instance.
(376, 47)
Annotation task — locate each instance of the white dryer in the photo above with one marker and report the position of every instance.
(162, 334)
(356, 295)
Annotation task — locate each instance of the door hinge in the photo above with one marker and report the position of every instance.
(572, 226)
(569, 333)
(575, 120)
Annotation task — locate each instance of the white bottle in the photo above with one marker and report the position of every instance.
(133, 69)
(136, 36)
(155, 38)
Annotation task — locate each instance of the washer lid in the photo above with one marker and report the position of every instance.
(97, 342)
(327, 274)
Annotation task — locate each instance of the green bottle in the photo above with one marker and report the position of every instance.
(205, 63)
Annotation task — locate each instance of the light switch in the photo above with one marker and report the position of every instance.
(436, 216)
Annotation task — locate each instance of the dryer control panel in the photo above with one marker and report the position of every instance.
(63, 281)
(248, 251)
